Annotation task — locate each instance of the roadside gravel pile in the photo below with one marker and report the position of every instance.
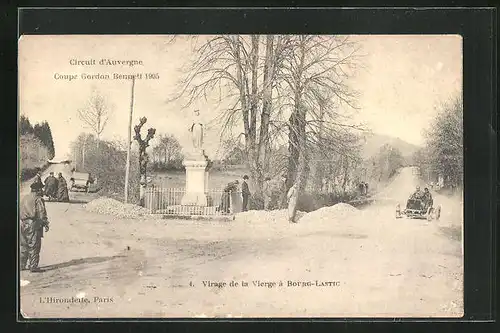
(114, 207)
(265, 217)
(330, 214)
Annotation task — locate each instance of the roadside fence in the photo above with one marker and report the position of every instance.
(169, 201)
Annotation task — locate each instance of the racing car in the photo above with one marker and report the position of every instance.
(417, 208)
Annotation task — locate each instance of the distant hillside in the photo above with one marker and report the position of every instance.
(375, 141)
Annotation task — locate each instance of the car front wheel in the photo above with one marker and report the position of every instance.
(438, 212)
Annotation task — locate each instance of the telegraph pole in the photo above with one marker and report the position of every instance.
(129, 142)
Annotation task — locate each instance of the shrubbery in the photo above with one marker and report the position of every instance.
(33, 155)
(309, 202)
(106, 161)
(36, 147)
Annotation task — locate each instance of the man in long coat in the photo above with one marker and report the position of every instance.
(38, 177)
(33, 219)
(51, 184)
(62, 189)
(245, 193)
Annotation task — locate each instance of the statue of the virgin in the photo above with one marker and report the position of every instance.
(196, 130)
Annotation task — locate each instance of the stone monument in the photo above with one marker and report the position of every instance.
(197, 166)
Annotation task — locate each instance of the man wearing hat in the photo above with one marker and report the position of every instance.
(38, 177)
(51, 184)
(33, 219)
(245, 193)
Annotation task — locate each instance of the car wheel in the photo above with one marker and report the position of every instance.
(429, 214)
(398, 211)
(438, 212)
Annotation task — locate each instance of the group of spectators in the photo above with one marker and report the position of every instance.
(273, 194)
(363, 188)
(56, 189)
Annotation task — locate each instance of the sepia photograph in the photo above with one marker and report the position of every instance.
(240, 176)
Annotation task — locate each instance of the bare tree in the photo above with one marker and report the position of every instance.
(232, 66)
(143, 155)
(275, 85)
(445, 141)
(95, 114)
(232, 152)
(167, 149)
(315, 73)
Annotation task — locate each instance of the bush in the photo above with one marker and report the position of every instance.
(256, 202)
(28, 173)
(33, 155)
(164, 167)
(106, 161)
(309, 202)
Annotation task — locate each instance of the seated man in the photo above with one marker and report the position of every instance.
(417, 195)
(415, 199)
(427, 198)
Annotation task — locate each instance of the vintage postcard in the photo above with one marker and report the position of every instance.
(240, 176)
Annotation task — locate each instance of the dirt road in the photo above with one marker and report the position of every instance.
(365, 263)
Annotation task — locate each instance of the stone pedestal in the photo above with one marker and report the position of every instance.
(196, 180)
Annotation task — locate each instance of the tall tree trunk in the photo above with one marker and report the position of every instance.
(302, 168)
(254, 98)
(252, 148)
(345, 175)
(296, 123)
(293, 149)
(249, 103)
(266, 108)
(320, 170)
(243, 97)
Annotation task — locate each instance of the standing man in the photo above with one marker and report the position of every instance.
(51, 186)
(427, 198)
(62, 189)
(245, 193)
(38, 177)
(267, 193)
(33, 219)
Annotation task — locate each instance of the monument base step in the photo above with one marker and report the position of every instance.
(196, 217)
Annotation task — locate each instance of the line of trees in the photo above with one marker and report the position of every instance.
(36, 146)
(40, 131)
(385, 163)
(167, 154)
(442, 155)
(105, 161)
(284, 90)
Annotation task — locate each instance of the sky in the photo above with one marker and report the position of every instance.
(403, 80)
